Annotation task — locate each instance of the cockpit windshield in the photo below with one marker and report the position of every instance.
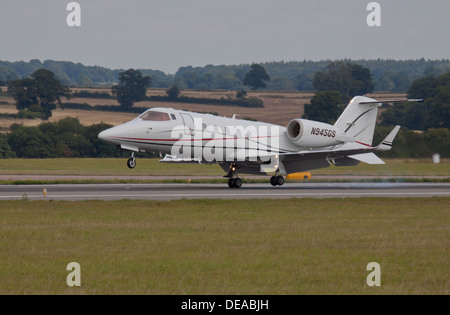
(155, 116)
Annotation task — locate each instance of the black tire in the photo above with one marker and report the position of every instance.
(231, 183)
(273, 181)
(238, 183)
(131, 163)
(280, 180)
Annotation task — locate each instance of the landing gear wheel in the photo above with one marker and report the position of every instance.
(280, 180)
(277, 180)
(131, 163)
(235, 183)
(273, 181)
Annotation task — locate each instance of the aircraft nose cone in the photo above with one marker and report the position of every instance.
(102, 135)
(110, 135)
(105, 135)
(113, 135)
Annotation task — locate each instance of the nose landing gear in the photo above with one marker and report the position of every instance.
(131, 163)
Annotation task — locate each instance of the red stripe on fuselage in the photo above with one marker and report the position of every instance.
(364, 144)
(193, 139)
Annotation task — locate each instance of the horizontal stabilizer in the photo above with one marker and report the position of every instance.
(369, 158)
(391, 101)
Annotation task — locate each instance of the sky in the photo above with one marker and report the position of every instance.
(168, 34)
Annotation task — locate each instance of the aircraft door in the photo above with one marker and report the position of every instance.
(189, 123)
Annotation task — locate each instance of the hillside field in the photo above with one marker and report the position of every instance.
(279, 107)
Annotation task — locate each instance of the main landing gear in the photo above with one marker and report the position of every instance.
(277, 180)
(131, 163)
(234, 181)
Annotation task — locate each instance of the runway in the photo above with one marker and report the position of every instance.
(221, 191)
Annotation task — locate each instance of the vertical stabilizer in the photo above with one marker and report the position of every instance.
(359, 119)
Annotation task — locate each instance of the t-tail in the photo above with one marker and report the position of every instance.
(360, 117)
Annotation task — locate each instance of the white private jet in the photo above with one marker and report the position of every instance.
(247, 147)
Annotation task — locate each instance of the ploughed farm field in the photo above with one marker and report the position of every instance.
(279, 107)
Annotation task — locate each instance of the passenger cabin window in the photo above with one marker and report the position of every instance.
(155, 116)
(173, 117)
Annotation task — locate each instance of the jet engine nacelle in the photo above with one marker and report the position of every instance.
(313, 134)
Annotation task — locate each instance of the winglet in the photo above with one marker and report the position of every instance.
(386, 145)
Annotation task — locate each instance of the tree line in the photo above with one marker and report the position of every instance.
(388, 75)
(67, 138)
(434, 112)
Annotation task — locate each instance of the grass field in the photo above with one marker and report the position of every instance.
(216, 247)
(117, 167)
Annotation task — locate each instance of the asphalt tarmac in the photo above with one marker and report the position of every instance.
(221, 191)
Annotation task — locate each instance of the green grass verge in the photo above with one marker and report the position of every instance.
(224, 247)
(117, 167)
(102, 167)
